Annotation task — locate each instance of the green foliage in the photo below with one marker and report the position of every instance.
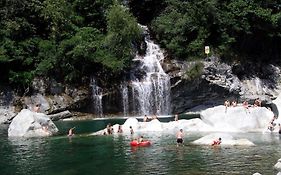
(123, 32)
(238, 27)
(22, 78)
(65, 39)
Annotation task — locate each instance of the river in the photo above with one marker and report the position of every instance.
(86, 154)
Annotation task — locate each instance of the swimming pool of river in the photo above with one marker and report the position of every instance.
(112, 154)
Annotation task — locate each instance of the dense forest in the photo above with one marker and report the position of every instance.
(71, 39)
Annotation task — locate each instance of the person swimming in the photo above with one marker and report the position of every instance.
(70, 132)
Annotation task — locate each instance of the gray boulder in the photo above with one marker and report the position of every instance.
(7, 114)
(31, 124)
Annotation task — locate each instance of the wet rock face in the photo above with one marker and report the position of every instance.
(6, 110)
(220, 81)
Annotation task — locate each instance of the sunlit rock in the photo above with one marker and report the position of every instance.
(133, 122)
(153, 125)
(277, 102)
(277, 166)
(31, 124)
(237, 119)
(226, 139)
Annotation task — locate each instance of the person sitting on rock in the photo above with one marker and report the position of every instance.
(109, 129)
(120, 129)
(145, 118)
(234, 103)
(37, 108)
(245, 104)
(257, 102)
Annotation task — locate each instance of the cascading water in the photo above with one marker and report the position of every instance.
(150, 92)
(96, 98)
(125, 100)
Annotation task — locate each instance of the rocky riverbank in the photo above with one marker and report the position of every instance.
(194, 86)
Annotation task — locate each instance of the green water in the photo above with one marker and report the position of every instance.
(84, 154)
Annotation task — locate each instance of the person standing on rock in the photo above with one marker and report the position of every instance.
(226, 104)
(131, 130)
(145, 118)
(176, 117)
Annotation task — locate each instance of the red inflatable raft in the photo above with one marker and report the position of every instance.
(143, 143)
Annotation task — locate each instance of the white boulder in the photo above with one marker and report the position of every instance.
(277, 166)
(226, 139)
(237, 119)
(31, 124)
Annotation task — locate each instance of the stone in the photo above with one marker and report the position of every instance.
(60, 115)
(277, 166)
(31, 124)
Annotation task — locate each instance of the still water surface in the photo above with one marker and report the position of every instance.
(84, 154)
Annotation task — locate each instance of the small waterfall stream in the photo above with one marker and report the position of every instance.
(125, 100)
(96, 98)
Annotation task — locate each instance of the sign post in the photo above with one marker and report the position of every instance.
(207, 50)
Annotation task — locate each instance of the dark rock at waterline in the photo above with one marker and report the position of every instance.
(52, 97)
(60, 115)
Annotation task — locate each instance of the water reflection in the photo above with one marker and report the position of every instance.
(112, 154)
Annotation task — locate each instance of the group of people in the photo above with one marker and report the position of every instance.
(147, 119)
(246, 105)
(110, 130)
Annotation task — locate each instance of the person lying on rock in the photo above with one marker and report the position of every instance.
(216, 142)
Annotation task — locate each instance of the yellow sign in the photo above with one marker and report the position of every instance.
(207, 50)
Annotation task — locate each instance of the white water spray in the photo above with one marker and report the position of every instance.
(151, 92)
(96, 98)
(125, 98)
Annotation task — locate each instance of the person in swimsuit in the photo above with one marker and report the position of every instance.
(145, 119)
(180, 137)
(131, 130)
(120, 130)
(176, 117)
(70, 132)
(216, 142)
(140, 139)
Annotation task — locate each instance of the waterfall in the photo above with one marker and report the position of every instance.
(151, 92)
(125, 100)
(96, 98)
